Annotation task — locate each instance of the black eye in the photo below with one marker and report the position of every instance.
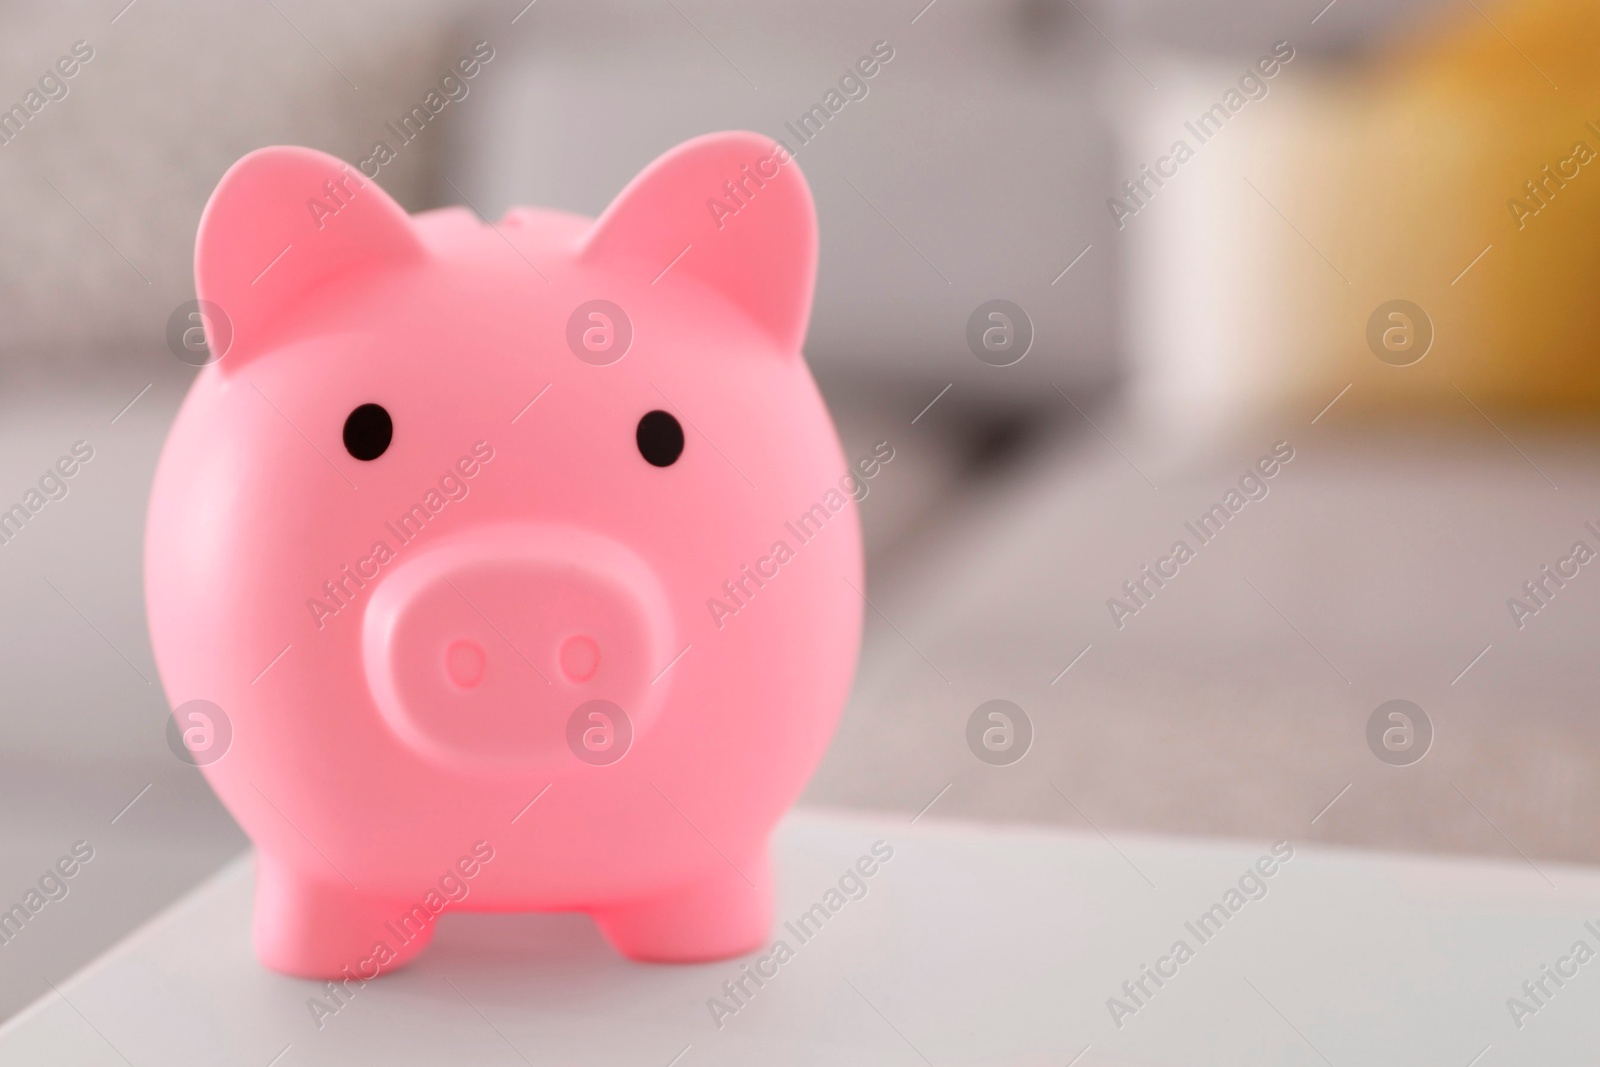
(368, 431)
(660, 438)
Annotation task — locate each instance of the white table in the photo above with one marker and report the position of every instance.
(975, 944)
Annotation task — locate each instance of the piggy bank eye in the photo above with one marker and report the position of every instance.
(368, 431)
(660, 439)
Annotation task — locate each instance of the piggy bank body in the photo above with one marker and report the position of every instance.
(519, 559)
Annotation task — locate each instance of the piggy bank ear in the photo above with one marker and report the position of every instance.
(282, 221)
(730, 210)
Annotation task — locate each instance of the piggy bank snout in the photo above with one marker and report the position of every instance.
(479, 652)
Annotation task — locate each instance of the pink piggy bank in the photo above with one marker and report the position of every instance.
(509, 567)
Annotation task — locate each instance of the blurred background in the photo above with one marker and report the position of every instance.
(1180, 314)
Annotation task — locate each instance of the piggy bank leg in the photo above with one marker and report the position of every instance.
(318, 928)
(724, 912)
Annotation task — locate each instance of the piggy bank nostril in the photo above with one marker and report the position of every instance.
(580, 658)
(465, 663)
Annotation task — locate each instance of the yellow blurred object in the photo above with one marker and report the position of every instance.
(1461, 172)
